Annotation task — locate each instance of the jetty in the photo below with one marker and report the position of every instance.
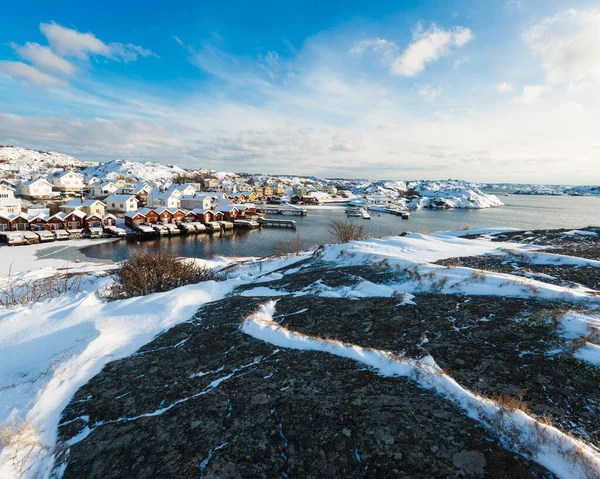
(277, 223)
(285, 209)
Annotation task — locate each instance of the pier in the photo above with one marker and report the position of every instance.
(277, 223)
(286, 209)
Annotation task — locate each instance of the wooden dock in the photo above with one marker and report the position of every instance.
(277, 223)
(281, 210)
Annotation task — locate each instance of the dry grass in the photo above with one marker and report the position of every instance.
(22, 438)
(478, 276)
(158, 272)
(510, 403)
(466, 228)
(25, 291)
(293, 247)
(345, 231)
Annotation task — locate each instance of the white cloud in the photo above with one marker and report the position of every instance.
(44, 58)
(569, 108)
(22, 71)
(568, 45)
(459, 62)
(505, 87)
(531, 94)
(431, 94)
(385, 50)
(68, 42)
(428, 46)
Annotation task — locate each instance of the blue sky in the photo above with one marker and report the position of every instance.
(486, 91)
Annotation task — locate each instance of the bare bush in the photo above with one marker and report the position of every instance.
(510, 403)
(26, 448)
(478, 276)
(157, 272)
(25, 291)
(294, 247)
(344, 231)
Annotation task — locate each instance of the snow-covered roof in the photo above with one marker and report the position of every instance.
(120, 198)
(133, 214)
(77, 203)
(36, 180)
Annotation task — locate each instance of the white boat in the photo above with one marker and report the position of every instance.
(173, 229)
(160, 229)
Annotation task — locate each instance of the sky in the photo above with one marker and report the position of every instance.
(494, 91)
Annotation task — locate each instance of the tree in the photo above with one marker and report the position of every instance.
(344, 231)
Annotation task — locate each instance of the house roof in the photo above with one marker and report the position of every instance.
(145, 211)
(120, 198)
(36, 180)
(78, 213)
(60, 174)
(133, 214)
(79, 204)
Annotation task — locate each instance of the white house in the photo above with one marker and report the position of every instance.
(36, 188)
(156, 199)
(10, 206)
(203, 202)
(186, 190)
(243, 187)
(121, 203)
(66, 181)
(103, 189)
(6, 192)
(87, 206)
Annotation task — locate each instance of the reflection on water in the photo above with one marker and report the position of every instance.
(523, 212)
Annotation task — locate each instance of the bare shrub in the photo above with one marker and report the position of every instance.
(478, 276)
(293, 247)
(157, 272)
(25, 291)
(510, 403)
(26, 448)
(344, 231)
(557, 314)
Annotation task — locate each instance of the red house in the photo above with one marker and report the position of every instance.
(38, 223)
(165, 216)
(4, 223)
(151, 215)
(93, 221)
(19, 222)
(75, 220)
(133, 218)
(178, 216)
(56, 222)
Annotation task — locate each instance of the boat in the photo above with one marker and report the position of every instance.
(354, 212)
(365, 214)
(60, 235)
(172, 229)
(160, 229)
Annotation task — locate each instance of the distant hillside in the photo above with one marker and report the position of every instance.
(132, 169)
(23, 161)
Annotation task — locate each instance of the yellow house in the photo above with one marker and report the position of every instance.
(252, 197)
(267, 190)
(279, 190)
(87, 206)
(332, 190)
(120, 183)
(258, 191)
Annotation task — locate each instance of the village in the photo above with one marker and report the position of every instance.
(67, 204)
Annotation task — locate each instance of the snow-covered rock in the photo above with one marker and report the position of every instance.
(24, 162)
(132, 169)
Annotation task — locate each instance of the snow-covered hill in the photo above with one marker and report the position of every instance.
(132, 169)
(548, 190)
(24, 162)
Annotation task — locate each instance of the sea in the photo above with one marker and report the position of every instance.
(526, 212)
